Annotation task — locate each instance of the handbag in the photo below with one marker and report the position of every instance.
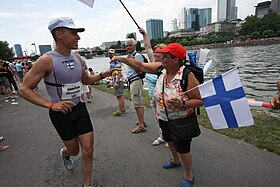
(182, 128)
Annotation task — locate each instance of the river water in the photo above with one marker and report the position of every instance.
(258, 67)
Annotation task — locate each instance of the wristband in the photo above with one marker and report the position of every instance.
(100, 75)
(51, 106)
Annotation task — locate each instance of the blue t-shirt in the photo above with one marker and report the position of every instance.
(152, 81)
(130, 71)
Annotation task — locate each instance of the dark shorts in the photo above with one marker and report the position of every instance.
(72, 124)
(183, 146)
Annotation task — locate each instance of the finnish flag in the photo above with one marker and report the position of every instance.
(225, 101)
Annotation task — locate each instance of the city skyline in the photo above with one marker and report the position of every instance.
(25, 22)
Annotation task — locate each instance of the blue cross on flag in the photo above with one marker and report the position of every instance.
(225, 101)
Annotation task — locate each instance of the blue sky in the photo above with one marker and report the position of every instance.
(25, 22)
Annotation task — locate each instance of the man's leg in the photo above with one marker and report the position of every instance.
(140, 116)
(86, 141)
(71, 148)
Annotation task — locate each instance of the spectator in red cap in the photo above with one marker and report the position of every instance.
(177, 103)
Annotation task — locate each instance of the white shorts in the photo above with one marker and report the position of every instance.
(85, 88)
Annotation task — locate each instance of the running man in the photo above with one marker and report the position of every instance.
(63, 75)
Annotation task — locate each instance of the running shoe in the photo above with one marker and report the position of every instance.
(67, 161)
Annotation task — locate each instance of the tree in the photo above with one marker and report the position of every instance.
(270, 21)
(268, 33)
(251, 25)
(255, 35)
(6, 52)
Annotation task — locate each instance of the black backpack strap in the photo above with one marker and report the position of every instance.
(159, 70)
(184, 84)
(184, 80)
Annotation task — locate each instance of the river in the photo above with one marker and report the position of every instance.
(258, 67)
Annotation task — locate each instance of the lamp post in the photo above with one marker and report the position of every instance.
(34, 47)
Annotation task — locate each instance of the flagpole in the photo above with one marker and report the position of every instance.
(190, 90)
(129, 14)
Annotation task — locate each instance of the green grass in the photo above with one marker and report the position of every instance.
(265, 134)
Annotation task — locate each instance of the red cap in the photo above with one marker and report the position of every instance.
(175, 49)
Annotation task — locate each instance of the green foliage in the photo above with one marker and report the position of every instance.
(255, 35)
(269, 22)
(268, 33)
(5, 51)
(131, 35)
(34, 58)
(117, 46)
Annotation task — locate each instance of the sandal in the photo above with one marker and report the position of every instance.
(144, 124)
(158, 141)
(138, 130)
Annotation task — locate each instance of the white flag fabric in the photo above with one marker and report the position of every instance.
(225, 101)
(202, 57)
(87, 2)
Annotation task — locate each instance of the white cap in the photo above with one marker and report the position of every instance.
(63, 22)
(112, 51)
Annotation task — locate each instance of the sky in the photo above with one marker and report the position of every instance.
(26, 22)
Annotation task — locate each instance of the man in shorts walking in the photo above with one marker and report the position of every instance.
(63, 76)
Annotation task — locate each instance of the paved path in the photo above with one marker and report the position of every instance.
(122, 159)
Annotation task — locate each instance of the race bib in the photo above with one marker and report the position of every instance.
(71, 91)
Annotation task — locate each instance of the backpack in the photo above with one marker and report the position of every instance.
(197, 71)
(142, 74)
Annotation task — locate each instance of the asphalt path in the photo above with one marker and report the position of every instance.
(122, 159)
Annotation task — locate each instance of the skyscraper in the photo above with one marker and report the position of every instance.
(275, 6)
(205, 17)
(18, 50)
(227, 10)
(197, 18)
(174, 26)
(192, 19)
(44, 48)
(182, 19)
(154, 28)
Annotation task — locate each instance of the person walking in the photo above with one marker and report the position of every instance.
(63, 76)
(19, 69)
(4, 82)
(171, 99)
(117, 83)
(135, 86)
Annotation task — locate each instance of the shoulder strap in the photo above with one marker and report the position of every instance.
(184, 80)
(159, 70)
